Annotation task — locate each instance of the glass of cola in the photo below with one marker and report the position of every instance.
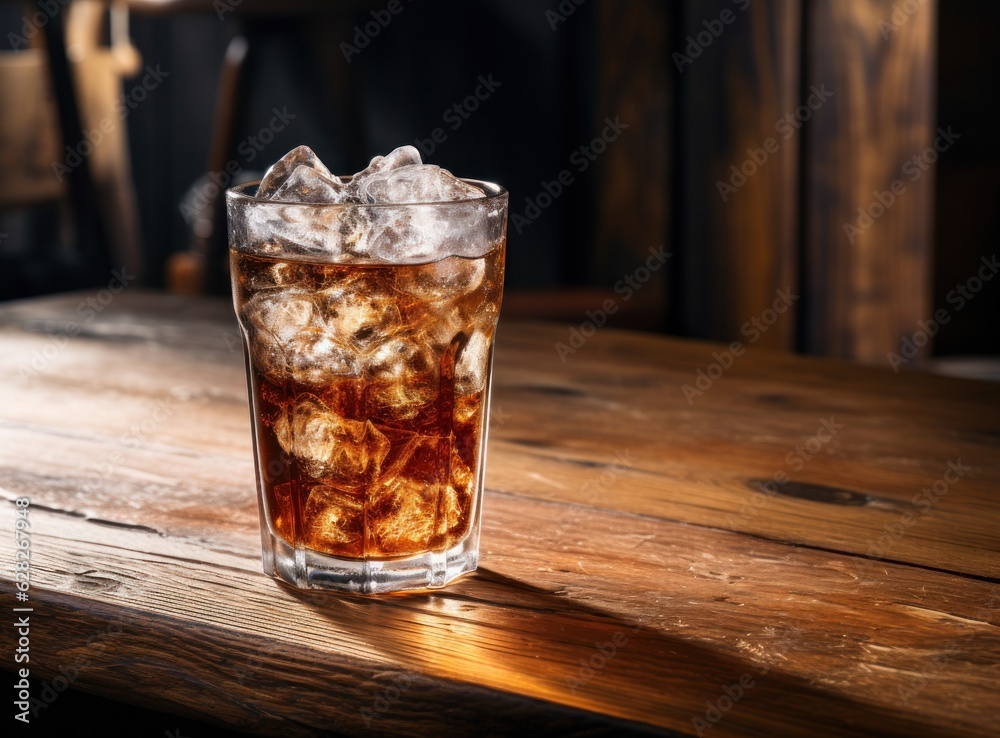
(368, 306)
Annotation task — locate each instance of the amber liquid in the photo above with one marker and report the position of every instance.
(369, 386)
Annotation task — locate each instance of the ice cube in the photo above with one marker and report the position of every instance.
(283, 274)
(281, 313)
(341, 452)
(358, 317)
(415, 234)
(290, 340)
(302, 229)
(286, 165)
(473, 365)
(404, 156)
(442, 280)
(251, 277)
(424, 233)
(467, 409)
(426, 504)
(315, 360)
(421, 233)
(293, 230)
(307, 185)
(333, 521)
(402, 236)
(413, 184)
(402, 379)
(274, 319)
(277, 316)
(444, 326)
(406, 517)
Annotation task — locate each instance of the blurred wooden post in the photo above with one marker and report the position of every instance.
(91, 231)
(868, 276)
(738, 66)
(634, 190)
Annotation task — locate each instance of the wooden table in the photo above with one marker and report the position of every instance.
(634, 577)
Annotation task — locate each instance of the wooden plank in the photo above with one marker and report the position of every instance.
(700, 461)
(633, 215)
(185, 621)
(868, 278)
(557, 425)
(738, 65)
(162, 545)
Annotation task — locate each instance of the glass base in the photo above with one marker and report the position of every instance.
(311, 570)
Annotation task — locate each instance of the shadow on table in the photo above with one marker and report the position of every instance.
(539, 648)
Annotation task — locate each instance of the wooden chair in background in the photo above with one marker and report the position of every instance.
(94, 172)
(203, 265)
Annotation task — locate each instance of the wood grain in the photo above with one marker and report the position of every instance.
(866, 290)
(634, 189)
(736, 247)
(146, 564)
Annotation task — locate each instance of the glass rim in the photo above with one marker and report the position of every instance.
(492, 192)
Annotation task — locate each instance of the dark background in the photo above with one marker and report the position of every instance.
(426, 60)
(420, 65)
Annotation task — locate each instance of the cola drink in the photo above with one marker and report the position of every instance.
(368, 334)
